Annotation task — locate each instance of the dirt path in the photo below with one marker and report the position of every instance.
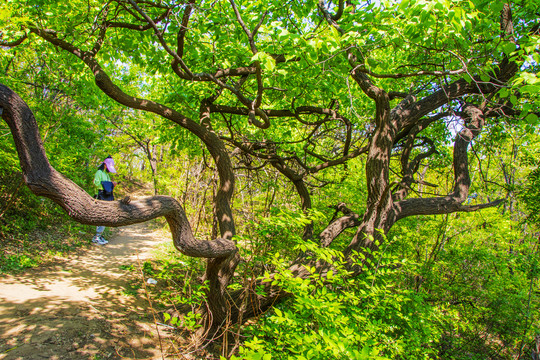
(78, 307)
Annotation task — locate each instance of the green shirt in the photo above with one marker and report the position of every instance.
(99, 177)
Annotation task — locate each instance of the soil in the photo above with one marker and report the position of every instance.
(85, 306)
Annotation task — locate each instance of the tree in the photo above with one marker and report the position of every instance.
(302, 87)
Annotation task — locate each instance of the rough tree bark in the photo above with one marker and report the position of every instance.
(386, 203)
(45, 181)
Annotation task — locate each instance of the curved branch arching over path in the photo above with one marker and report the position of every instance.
(44, 180)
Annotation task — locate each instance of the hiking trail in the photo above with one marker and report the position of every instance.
(81, 306)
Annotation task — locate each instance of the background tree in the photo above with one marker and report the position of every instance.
(320, 92)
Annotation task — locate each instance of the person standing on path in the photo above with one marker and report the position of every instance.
(105, 187)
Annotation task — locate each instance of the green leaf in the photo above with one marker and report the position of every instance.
(508, 48)
(532, 119)
(166, 317)
(530, 89)
(330, 275)
(497, 5)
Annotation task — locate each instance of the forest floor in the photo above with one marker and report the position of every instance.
(84, 306)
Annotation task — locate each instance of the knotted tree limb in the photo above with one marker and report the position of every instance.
(210, 139)
(336, 227)
(453, 202)
(44, 180)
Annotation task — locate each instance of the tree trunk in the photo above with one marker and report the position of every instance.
(44, 180)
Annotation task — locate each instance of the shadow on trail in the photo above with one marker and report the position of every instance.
(79, 308)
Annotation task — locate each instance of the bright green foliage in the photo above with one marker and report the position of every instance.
(452, 286)
(34, 229)
(531, 197)
(179, 286)
(477, 270)
(432, 292)
(331, 316)
(530, 191)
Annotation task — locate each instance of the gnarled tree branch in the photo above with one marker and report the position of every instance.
(44, 180)
(452, 202)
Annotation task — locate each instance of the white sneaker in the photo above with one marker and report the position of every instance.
(103, 240)
(99, 240)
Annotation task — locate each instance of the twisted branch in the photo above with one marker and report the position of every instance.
(44, 180)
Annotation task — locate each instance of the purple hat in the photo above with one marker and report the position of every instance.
(109, 163)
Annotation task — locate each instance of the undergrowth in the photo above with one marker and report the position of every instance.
(32, 237)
